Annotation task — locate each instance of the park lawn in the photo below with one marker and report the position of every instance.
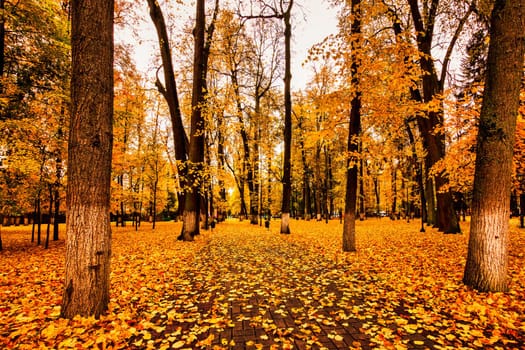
(402, 288)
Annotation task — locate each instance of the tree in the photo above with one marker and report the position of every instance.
(203, 38)
(88, 245)
(432, 87)
(282, 9)
(486, 267)
(353, 134)
(287, 166)
(169, 91)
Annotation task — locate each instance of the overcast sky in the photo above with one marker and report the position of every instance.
(319, 21)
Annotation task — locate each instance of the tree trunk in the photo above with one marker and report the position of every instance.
(317, 182)
(2, 44)
(191, 217)
(39, 220)
(434, 142)
(306, 182)
(377, 194)
(33, 224)
(254, 197)
(330, 187)
(50, 216)
(58, 174)
(362, 213)
(88, 244)
(394, 190)
(56, 215)
(326, 185)
(169, 91)
(419, 175)
(287, 166)
(222, 166)
(431, 201)
(486, 267)
(349, 241)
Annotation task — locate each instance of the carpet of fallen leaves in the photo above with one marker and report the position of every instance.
(245, 287)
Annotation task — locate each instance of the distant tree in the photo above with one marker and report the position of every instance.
(487, 260)
(88, 245)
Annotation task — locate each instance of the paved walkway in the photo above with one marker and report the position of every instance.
(276, 294)
(262, 290)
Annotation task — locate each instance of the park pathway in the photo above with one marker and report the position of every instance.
(252, 288)
(278, 293)
(257, 289)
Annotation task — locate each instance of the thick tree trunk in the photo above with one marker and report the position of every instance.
(195, 177)
(2, 43)
(287, 166)
(349, 241)
(88, 245)
(486, 267)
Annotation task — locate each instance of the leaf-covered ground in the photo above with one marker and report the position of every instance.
(245, 287)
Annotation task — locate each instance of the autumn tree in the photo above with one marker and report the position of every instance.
(286, 10)
(168, 89)
(88, 245)
(328, 135)
(425, 17)
(33, 111)
(202, 42)
(353, 133)
(486, 267)
(282, 9)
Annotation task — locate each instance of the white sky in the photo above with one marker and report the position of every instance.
(319, 22)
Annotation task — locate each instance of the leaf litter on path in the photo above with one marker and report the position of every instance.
(244, 287)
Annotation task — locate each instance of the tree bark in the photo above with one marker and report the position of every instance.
(190, 226)
(88, 244)
(2, 43)
(349, 241)
(486, 267)
(287, 167)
